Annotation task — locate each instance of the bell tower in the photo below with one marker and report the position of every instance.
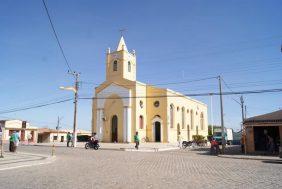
(121, 64)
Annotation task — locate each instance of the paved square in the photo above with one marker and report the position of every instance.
(80, 168)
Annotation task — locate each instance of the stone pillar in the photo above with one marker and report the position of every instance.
(127, 124)
(250, 142)
(99, 126)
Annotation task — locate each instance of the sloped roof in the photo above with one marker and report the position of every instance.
(269, 117)
(47, 130)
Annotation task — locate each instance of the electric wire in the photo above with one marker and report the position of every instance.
(33, 107)
(192, 94)
(159, 84)
(56, 36)
(224, 82)
(155, 96)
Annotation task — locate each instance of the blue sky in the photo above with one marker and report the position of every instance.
(175, 41)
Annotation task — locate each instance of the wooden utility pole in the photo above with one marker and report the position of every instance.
(221, 115)
(76, 87)
(75, 90)
(58, 127)
(242, 109)
(211, 111)
(243, 130)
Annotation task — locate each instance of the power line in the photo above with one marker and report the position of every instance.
(237, 63)
(34, 104)
(228, 44)
(56, 36)
(155, 96)
(168, 83)
(33, 107)
(190, 56)
(224, 82)
(193, 94)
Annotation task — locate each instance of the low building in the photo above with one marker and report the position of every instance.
(27, 132)
(258, 129)
(46, 135)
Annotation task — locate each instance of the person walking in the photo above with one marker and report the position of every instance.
(29, 138)
(271, 145)
(136, 140)
(214, 147)
(179, 140)
(16, 140)
(11, 145)
(68, 139)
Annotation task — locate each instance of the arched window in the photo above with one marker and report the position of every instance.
(115, 66)
(141, 122)
(192, 119)
(183, 117)
(171, 114)
(202, 121)
(129, 66)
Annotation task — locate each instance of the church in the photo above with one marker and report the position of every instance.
(122, 105)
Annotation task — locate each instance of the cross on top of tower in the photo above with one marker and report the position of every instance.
(122, 31)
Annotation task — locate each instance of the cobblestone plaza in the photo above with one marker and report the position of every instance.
(80, 168)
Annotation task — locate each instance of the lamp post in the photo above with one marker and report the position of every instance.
(75, 90)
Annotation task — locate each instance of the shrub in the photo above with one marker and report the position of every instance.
(198, 139)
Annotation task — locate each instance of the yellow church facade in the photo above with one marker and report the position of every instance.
(123, 106)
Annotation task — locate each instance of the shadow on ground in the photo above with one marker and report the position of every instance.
(273, 161)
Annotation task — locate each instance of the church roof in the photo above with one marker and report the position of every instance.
(121, 44)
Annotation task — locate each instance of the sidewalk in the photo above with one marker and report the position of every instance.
(20, 159)
(144, 147)
(252, 157)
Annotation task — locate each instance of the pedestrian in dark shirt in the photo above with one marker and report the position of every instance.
(68, 139)
(136, 140)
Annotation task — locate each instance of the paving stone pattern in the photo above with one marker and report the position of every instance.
(80, 168)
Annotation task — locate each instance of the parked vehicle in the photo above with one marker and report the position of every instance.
(217, 135)
(94, 145)
(229, 137)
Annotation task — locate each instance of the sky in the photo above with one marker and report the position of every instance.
(175, 41)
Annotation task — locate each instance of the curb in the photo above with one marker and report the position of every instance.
(250, 158)
(125, 149)
(46, 160)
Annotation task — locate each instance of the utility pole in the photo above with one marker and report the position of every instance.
(58, 126)
(245, 112)
(243, 130)
(75, 90)
(242, 109)
(76, 87)
(221, 115)
(211, 110)
(2, 128)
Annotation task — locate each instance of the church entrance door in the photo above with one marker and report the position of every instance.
(157, 131)
(114, 128)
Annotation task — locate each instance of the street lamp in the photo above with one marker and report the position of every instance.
(75, 90)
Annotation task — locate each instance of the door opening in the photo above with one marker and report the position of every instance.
(157, 131)
(115, 129)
